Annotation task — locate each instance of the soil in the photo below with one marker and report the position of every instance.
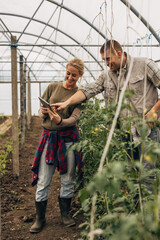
(3, 119)
(17, 198)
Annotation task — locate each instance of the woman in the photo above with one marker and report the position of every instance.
(59, 133)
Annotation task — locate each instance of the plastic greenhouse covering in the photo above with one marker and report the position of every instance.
(49, 33)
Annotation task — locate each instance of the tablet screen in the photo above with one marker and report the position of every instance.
(45, 103)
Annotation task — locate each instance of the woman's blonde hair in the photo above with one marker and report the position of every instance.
(77, 63)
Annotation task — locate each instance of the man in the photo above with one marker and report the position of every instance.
(144, 79)
(119, 63)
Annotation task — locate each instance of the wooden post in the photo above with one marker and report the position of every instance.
(24, 78)
(29, 102)
(22, 104)
(39, 92)
(14, 107)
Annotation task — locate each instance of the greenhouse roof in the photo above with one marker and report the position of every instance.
(49, 33)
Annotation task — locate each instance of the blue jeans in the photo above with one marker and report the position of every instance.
(46, 172)
(154, 135)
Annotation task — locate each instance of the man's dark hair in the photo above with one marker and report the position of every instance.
(111, 45)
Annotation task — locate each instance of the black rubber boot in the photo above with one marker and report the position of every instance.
(40, 217)
(65, 204)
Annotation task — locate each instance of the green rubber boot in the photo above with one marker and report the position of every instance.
(65, 204)
(40, 217)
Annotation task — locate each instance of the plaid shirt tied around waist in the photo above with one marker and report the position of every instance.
(56, 149)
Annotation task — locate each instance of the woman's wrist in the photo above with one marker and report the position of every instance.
(60, 122)
(41, 115)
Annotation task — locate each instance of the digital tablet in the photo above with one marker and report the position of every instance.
(45, 103)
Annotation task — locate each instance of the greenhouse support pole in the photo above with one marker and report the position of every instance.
(22, 119)
(29, 102)
(14, 106)
(24, 76)
(39, 92)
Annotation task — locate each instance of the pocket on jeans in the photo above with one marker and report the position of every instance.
(154, 135)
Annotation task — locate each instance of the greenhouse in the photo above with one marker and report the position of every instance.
(97, 65)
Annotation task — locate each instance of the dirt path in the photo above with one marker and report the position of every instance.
(17, 199)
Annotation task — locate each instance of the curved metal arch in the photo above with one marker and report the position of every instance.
(51, 58)
(142, 19)
(48, 57)
(53, 43)
(77, 15)
(39, 21)
(41, 54)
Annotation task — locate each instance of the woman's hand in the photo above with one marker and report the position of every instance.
(54, 116)
(44, 110)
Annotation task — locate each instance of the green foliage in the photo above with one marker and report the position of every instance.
(2, 135)
(126, 209)
(1, 116)
(5, 156)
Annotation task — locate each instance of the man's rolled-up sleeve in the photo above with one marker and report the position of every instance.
(153, 72)
(92, 89)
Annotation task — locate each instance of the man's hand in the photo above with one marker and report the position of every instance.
(151, 115)
(60, 106)
(78, 97)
